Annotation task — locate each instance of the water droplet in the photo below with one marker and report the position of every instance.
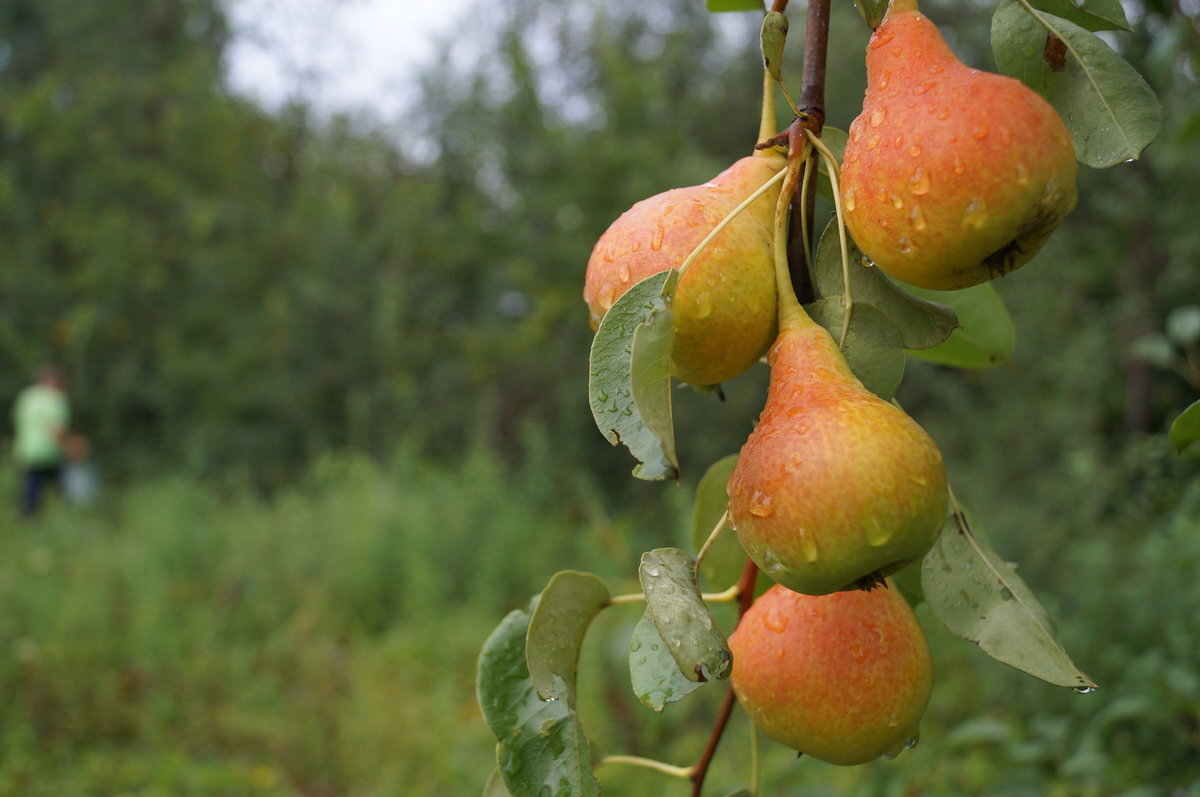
(808, 546)
(551, 699)
(979, 132)
(918, 480)
(935, 69)
(943, 114)
(881, 195)
(635, 645)
(770, 563)
(893, 721)
(915, 150)
(958, 165)
(703, 305)
(779, 653)
(1022, 174)
(897, 52)
(761, 505)
(890, 755)
(1005, 135)
(873, 142)
(897, 202)
(913, 741)
(623, 272)
(898, 141)
(918, 183)
(652, 571)
(1085, 690)
(917, 218)
(877, 117)
(976, 213)
(1006, 594)
(877, 534)
(657, 242)
(883, 80)
(905, 245)
(849, 200)
(775, 621)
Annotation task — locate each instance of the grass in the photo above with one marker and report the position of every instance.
(179, 641)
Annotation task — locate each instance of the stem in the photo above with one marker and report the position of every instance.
(647, 763)
(633, 597)
(725, 221)
(832, 167)
(755, 764)
(731, 594)
(790, 311)
(712, 537)
(766, 124)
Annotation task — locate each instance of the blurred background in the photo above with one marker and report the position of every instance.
(313, 271)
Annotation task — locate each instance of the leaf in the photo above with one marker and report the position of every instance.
(1185, 430)
(655, 676)
(733, 5)
(921, 322)
(871, 11)
(1183, 325)
(986, 337)
(673, 600)
(741, 793)
(835, 140)
(908, 581)
(1092, 15)
(629, 388)
(980, 597)
(772, 39)
(495, 784)
(1110, 110)
(725, 560)
(873, 344)
(542, 745)
(564, 612)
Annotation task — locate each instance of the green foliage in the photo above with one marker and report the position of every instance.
(555, 631)
(653, 673)
(986, 336)
(675, 604)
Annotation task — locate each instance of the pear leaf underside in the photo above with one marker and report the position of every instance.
(629, 385)
(653, 673)
(987, 335)
(771, 42)
(1092, 15)
(564, 611)
(873, 344)
(979, 597)
(921, 322)
(683, 621)
(542, 747)
(722, 565)
(1185, 430)
(1110, 110)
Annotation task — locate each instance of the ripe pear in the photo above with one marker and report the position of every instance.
(835, 487)
(951, 176)
(724, 304)
(844, 677)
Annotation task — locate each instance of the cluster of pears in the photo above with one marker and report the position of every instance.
(952, 176)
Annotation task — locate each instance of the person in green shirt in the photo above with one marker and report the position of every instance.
(41, 422)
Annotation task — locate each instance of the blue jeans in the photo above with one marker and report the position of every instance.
(36, 482)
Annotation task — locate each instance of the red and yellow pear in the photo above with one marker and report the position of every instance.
(724, 305)
(952, 176)
(844, 677)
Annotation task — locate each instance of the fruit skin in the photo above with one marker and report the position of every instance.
(844, 677)
(724, 304)
(834, 486)
(951, 176)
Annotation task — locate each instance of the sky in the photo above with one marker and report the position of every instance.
(358, 56)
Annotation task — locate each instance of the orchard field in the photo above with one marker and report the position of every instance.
(334, 371)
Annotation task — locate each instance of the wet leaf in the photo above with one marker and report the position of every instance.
(980, 597)
(921, 321)
(495, 785)
(1091, 15)
(683, 621)
(563, 614)
(723, 564)
(655, 676)
(872, 347)
(1110, 110)
(987, 335)
(629, 387)
(542, 748)
(1185, 430)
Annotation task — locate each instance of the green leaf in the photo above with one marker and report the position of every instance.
(725, 560)
(495, 784)
(733, 5)
(1110, 110)
(835, 139)
(1092, 15)
(873, 344)
(1185, 430)
(1183, 325)
(981, 598)
(871, 11)
(921, 322)
(564, 612)
(655, 676)
(542, 746)
(772, 39)
(987, 335)
(908, 581)
(629, 388)
(673, 600)
(1153, 349)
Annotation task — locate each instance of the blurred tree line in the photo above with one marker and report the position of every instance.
(234, 291)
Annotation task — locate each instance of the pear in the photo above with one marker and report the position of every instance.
(844, 677)
(724, 304)
(951, 176)
(835, 487)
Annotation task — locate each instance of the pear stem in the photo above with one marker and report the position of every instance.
(647, 763)
(708, 543)
(831, 166)
(766, 123)
(762, 189)
(790, 312)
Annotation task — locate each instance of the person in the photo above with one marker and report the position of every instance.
(43, 440)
